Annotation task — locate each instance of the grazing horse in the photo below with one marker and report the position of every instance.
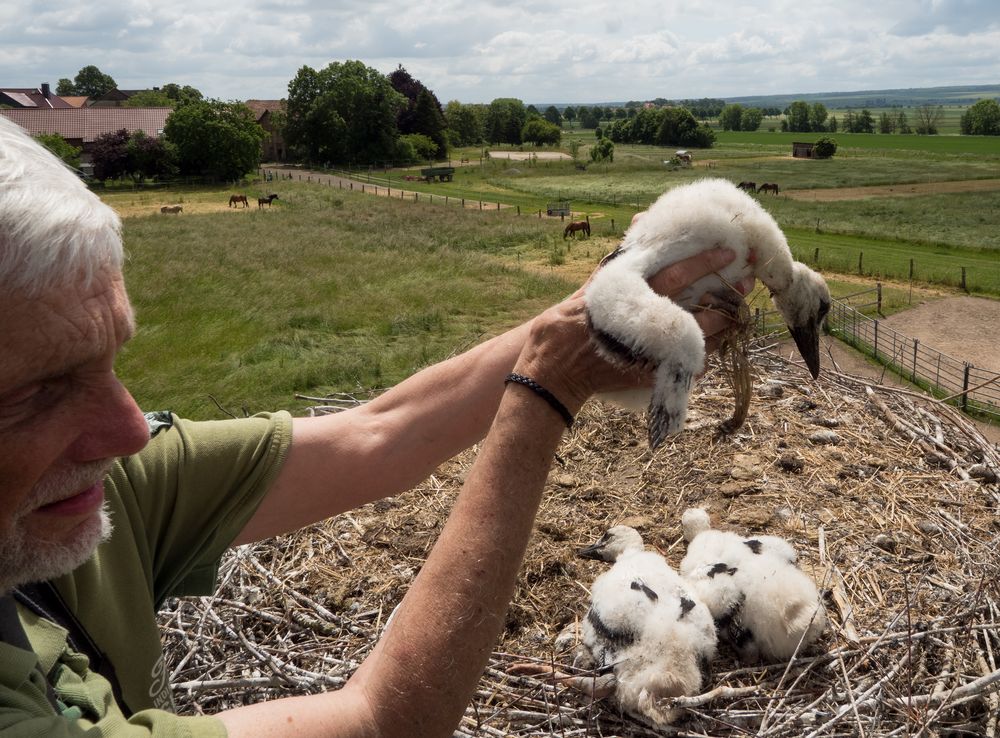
(269, 199)
(768, 187)
(175, 209)
(234, 199)
(750, 187)
(579, 225)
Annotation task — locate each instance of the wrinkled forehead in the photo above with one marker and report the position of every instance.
(63, 327)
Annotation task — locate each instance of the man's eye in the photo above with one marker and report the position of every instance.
(32, 398)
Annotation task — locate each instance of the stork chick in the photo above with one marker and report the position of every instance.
(646, 628)
(632, 324)
(763, 604)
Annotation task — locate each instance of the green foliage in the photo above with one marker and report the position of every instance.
(751, 119)
(149, 99)
(587, 117)
(65, 87)
(418, 146)
(982, 119)
(679, 128)
(215, 139)
(465, 123)
(928, 119)
(824, 148)
(603, 150)
(731, 116)
(504, 120)
(343, 113)
(429, 122)
(553, 116)
(569, 113)
(540, 132)
(60, 147)
(182, 95)
(798, 117)
(150, 157)
(92, 82)
(817, 117)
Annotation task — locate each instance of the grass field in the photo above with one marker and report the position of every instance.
(337, 291)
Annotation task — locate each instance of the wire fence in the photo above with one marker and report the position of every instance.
(975, 390)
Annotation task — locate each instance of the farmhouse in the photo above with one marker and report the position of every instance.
(29, 98)
(273, 147)
(80, 126)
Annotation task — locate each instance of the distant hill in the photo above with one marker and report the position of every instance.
(904, 97)
(958, 95)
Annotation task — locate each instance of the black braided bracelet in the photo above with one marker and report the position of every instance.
(544, 394)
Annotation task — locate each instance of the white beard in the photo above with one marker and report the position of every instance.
(25, 558)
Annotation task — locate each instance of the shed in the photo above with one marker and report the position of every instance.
(802, 150)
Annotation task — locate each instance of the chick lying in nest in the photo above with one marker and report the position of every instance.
(632, 324)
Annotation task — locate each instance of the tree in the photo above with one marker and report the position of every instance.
(553, 116)
(465, 123)
(751, 118)
(679, 128)
(181, 95)
(824, 148)
(540, 131)
(982, 119)
(505, 117)
(902, 124)
(65, 87)
(150, 157)
(587, 117)
(415, 146)
(603, 150)
(149, 99)
(215, 139)
(92, 82)
(343, 113)
(109, 155)
(429, 121)
(730, 117)
(832, 124)
(817, 117)
(798, 116)
(928, 117)
(864, 123)
(569, 113)
(886, 123)
(61, 147)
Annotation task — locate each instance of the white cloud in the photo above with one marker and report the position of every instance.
(537, 50)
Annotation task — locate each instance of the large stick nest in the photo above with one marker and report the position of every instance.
(890, 498)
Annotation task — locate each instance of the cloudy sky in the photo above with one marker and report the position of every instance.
(562, 51)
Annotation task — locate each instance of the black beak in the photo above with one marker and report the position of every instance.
(594, 551)
(807, 340)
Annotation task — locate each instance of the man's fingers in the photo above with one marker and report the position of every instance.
(673, 279)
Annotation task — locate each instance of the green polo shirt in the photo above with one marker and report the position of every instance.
(176, 506)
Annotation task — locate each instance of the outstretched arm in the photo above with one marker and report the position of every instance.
(341, 461)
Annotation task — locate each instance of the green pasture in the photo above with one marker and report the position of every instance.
(327, 291)
(938, 144)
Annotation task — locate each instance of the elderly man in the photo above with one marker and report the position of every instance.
(104, 512)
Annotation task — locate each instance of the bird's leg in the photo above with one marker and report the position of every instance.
(733, 349)
(595, 687)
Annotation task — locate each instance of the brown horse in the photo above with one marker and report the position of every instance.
(171, 209)
(268, 200)
(579, 225)
(768, 187)
(750, 187)
(235, 199)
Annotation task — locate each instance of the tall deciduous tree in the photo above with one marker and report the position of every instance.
(92, 82)
(798, 116)
(817, 117)
(109, 154)
(928, 118)
(730, 117)
(343, 113)
(65, 87)
(982, 119)
(465, 123)
(553, 116)
(429, 121)
(215, 139)
(751, 118)
(540, 131)
(61, 147)
(505, 117)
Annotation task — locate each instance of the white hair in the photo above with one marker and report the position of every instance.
(53, 230)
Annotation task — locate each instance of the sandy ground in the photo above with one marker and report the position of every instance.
(902, 190)
(525, 155)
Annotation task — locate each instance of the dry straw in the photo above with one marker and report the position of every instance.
(890, 498)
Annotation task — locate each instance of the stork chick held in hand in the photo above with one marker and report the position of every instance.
(632, 324)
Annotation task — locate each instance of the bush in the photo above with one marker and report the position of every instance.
(415, 146)
(824, 148)
(603, 150)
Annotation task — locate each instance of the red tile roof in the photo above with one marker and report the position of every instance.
(259, 107)
(85, 124)
(31, 97)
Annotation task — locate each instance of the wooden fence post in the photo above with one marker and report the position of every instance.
(876, 340)
(916, 347)
(878, 299)
(965, 387)
(816, 256)
(518, 209)
(612, 225)
(861, 256)
(963, 280)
